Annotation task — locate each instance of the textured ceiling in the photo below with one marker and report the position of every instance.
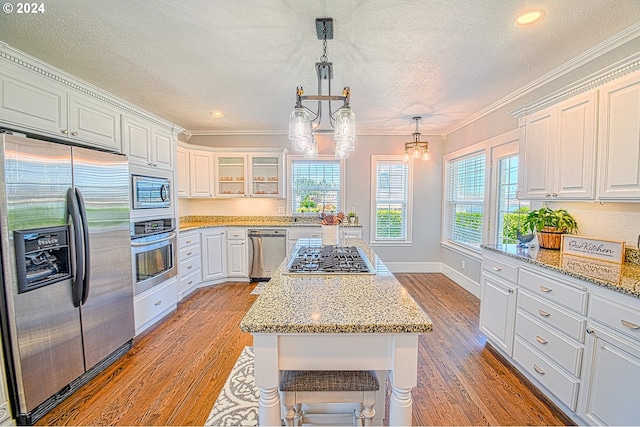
(442, 59)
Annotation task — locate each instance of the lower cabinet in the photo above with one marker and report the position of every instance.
(579, 343)
(153, 304)
(237, 254)
(189, 269)
(214, 254)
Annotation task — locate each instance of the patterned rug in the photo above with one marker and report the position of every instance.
(259, 288)
(237, 404)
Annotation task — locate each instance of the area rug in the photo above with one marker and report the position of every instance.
(259, 288)
(237, 404)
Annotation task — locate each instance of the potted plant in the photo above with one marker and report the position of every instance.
(353, 217)
(550, 225)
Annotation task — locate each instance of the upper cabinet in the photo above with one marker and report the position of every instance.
(182, 173)
(619, 139)
(147, 144)
(586, 147)
(559, 151)
(38, 99)
(230, 174)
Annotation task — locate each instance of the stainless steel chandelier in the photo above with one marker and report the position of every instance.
(303, 121)
(416, 148)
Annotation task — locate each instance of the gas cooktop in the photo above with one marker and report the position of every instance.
(329, 260)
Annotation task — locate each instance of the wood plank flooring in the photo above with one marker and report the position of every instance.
(173, 373)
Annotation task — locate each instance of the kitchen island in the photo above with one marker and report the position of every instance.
(336, 322)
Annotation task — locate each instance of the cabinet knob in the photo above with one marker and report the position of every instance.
(511, 291)
(74, 133)
(554, 195)
(547, 195)
(64, 131)
(591, 331)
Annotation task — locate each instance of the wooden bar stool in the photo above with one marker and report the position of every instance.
(298, 387)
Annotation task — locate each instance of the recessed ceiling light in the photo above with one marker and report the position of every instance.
(530, 17)
(217, 113)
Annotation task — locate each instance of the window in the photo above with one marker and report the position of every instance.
(464, 213)
(391, 199)
(510, 211)
(316, 185)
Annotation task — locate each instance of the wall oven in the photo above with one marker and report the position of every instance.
(153, 252)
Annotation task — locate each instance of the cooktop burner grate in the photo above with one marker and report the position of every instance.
(329, 260)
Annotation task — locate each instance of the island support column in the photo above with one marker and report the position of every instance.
(267, 378)
(403, 379)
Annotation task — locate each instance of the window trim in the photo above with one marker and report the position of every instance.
(408, 240)
(293, 157)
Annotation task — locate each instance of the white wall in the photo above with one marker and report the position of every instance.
(422, 255)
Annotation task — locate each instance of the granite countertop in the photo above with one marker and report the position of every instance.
(333, 303)
(624, 278)
(194, 222)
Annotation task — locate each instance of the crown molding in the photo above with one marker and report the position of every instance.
(595, 52)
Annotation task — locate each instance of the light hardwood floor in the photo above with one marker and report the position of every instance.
(174, 373)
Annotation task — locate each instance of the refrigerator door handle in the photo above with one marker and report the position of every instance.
(74, 213)
(85, 238)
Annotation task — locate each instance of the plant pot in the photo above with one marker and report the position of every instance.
(550, 237)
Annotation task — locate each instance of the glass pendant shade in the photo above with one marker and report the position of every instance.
(345, 128)
(425, 154)
(312, 149)
(300, 129)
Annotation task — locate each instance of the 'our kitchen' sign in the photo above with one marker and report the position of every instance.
(605, 250)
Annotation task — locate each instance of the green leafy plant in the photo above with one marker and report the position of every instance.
(559, 219)
(351, 214)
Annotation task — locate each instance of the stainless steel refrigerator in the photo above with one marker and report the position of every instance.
(68, 292)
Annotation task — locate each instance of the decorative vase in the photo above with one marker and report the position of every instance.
(352, 220)
(550, 237)
(330, 235)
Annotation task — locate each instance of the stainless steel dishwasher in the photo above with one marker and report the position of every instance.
(266, 252)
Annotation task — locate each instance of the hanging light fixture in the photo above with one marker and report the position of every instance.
(303, 120)
(416, 148)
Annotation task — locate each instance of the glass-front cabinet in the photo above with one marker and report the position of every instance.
(231, 175)
(249, 175)
(265, 176)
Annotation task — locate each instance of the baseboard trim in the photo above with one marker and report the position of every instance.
(462, 280)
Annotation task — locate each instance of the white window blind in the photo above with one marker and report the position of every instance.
(465, 204)
(392, 193)
(315, 186)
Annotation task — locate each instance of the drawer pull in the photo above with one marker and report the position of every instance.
(189, 267)
(189, 253)
(511, 291)
(188, 241)
(540, 339)
(190, 282)
(544, 313)
(158, 303)
(629, 325)
(538, 369)
(545, 289)
(496, 268)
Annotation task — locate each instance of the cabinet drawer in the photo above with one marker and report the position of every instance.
(562, 385)
(191, 251)
(622, 318)
(561, 350)
(554, 290)
(150, 305)
(552, 315)
(236, 234)
(499, 267)
(189, 239)
(189, 265)
(188, 281)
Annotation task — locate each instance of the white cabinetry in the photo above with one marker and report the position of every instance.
(350, 232)
(550, 329)
(498, 292)
(214, 255)
(33, 103)
(558, 153)
(182, 173)
(155, 303)
(302, 232)
(146, 144)
(619, 139)
(237, 254)
(248, 175)
(200, 173)
(612, 365)
(189, 269)
(5, 406)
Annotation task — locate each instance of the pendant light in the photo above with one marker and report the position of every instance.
(416, 148)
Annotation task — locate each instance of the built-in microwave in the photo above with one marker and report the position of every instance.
(150, 192)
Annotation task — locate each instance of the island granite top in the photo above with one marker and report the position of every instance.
(624, 278)
(334, 303)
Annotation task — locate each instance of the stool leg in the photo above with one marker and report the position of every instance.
(297, 420)
(357, 415)
(289, 403)
(369, 411)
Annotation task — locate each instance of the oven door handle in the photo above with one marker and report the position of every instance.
(138, 244)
